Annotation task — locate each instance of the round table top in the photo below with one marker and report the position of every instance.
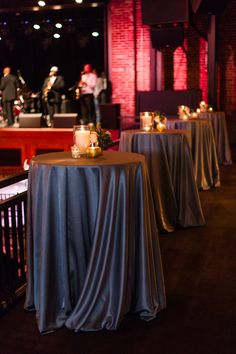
(155, 132)
(107, 158)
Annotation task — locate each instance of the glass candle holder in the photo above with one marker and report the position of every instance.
(203, 106)
(184, 117)
(81, 138)
(75, 152)
(160, 127)
(94, 151)
(146, 121)
(194, 115)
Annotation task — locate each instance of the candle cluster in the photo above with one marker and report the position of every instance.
(184, 112)
(204, 107)
(152, 120)
(86, 142)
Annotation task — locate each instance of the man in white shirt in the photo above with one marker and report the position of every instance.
(87, 85)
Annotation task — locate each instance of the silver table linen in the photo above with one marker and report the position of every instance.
(205, 162)
(218, 122)
(92, 242)
(170, 166)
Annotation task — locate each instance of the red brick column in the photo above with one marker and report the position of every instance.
(129, 53)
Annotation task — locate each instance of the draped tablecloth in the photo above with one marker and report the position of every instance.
(206, 167)
(170, 166)
(92, 242)
(218, 122)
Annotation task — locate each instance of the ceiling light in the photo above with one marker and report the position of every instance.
(57, 7)
(58, 25)
(79, 1)
(56, 35)
(95, 34)
(41, 3)
(37, 27)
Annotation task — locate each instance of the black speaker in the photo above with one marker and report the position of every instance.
(65, 120)
(110, 115)
(30, 120)
(195, 4)
(162, 37)
(213, 7)
(164, 11)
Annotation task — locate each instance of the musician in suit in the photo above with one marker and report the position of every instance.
(52, 90)
(8, 85)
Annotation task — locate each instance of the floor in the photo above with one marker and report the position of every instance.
(200, 276)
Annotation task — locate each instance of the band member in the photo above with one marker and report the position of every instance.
(100, 93)
(87, 85)
(51, 93)
(9, 85)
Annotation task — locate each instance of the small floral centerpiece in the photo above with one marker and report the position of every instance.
(103, 136)
(89, 141)
(100, 137)
(183, 112)
(160, 120)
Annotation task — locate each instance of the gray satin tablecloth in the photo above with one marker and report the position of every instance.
(206, 167)
(92, 242)
(218, 122)
(170, 166)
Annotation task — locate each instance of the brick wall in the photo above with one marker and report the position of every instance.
(129, 53)
(186, 68)
(180, 68)
(122, 53)
(226, 55)
(143, 47)
(130, 64)
(226, 34)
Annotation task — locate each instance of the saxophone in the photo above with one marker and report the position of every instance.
(47, 90)
(77, 93)
(79, 87)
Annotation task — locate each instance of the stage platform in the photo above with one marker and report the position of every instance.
(18, 145)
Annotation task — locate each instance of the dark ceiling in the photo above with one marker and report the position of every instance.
(26, 5)
(33, 51)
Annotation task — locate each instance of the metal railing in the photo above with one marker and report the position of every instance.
(12, 244)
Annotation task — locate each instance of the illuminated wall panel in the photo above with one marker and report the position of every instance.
(180, 68)
(203, 82)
